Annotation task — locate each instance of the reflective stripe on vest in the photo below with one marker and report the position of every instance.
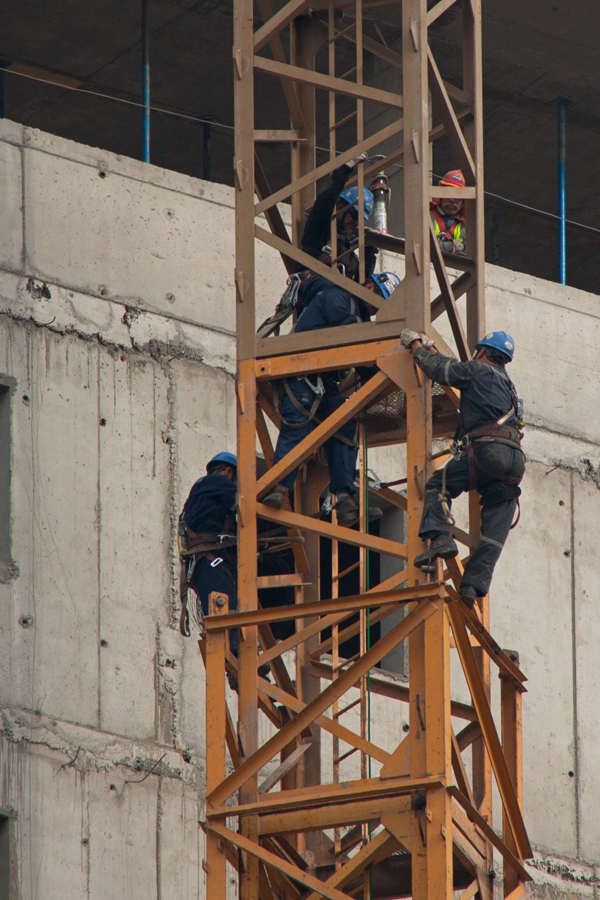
(455, 230)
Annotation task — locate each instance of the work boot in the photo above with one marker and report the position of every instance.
(441, 547)
(354, 510)
(347, 509)
(276, 497)
(374, 513)
(468, 595)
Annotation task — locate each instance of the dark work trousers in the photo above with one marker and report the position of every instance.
(218, 578)
(341, 458)
(498, 507)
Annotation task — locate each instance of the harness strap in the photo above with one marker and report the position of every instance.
(297, 405)
(444, 499)
(442, 225)
(475, 465)
(516, 522)
(189, 561)
(507, 435)
(310, 414)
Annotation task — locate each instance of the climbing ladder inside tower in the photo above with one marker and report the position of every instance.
(308, 795)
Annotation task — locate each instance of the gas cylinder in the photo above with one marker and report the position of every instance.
(381, 195)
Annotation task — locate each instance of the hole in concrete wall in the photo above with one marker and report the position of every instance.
(4, 856)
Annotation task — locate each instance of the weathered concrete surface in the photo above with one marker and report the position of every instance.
(119, 400)
(113, 227)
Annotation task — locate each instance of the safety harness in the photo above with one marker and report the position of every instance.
(310, 414)
(194, 546)
(454, 232)
(496, 431)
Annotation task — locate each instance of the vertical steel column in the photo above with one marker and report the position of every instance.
(304, 43)
(216, 763)
(512, 746)
(429, 736)
(145, 83)
(360, 133)
(475, 248)
(243, 54)
(308, 686)
(332, 114)
(306, 38)
(561, 104)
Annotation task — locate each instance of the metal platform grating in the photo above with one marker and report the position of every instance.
(386, 419)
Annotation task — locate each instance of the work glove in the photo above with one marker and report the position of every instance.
(408, 336)
(362, 157)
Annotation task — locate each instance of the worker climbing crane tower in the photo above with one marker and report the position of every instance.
(302, 799)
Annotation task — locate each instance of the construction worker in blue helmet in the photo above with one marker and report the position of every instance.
(487, 455)
(316, 237)
(305, 401)
(207, 539)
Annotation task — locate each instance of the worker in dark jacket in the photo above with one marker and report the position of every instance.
(207, 529)
(488, 455)
(316, 237)
(309, 399)
(448, 216)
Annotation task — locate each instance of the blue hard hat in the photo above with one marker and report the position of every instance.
(385, 282)
(351, 196)
(499, 340)
(226, 457)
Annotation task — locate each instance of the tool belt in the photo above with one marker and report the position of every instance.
(193, 547)
(310, 414)
(200, 544)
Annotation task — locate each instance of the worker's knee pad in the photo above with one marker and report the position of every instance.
(499, 492)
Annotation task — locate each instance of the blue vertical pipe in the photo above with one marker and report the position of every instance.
(206, 154)
(561, 104)
(145, 83)
(562, 204)
(3, 64)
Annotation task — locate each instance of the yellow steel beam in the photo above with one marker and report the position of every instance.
(339, 604)
(337, 689)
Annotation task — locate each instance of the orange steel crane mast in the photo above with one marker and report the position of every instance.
(416, 819)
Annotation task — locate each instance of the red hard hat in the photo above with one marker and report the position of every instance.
(455, 178)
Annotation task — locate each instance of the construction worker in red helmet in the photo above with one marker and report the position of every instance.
(448, 216)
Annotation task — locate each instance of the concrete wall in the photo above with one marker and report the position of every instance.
(117, 317)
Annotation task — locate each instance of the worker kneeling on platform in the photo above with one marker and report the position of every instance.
(487, 455)
(307, 400)
(207, 539)
(448, 216)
